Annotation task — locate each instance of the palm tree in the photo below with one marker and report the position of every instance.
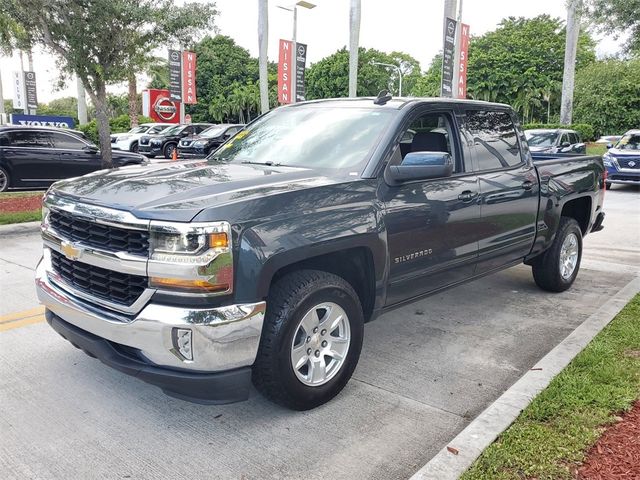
(220, 109)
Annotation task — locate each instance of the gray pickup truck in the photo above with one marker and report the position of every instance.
(263, 262)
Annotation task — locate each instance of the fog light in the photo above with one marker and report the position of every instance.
(182, 342)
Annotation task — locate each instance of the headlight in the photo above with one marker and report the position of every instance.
(607, 160)
(156, 141)
(195, 258)
(199, 143)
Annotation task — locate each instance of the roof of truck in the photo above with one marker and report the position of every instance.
(395, 102)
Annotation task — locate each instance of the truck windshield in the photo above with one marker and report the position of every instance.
(541, 139)
(629, 142)
(308, 136)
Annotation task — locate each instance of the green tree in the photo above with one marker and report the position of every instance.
(616, 17)
(102, 40)
(521, 63)
(329, 78)
(428, 85)
(222, 66)
(607, 96)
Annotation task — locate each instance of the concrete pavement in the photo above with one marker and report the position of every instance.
(426, 371)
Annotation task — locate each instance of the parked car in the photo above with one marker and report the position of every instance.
(265, 260)
(165, 142)
(623, 160)
(208, 140)
(129, 141)
(606, 139)
(38, 156)
(555, 141)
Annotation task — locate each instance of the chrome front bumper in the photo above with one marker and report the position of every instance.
(223, 338)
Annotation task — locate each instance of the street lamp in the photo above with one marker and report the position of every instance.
(294, 8)
(397, 68)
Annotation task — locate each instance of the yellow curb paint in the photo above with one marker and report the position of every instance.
(11, 324)
(20, 315)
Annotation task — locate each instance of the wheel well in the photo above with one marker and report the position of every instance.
(355, 265)
(580, 210)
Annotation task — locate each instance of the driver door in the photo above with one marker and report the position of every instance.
(432, 225)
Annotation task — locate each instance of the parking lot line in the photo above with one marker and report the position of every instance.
(21, 319)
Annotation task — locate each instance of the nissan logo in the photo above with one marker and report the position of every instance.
(165, 108)
(450, 28)
(175, 56)
(632, 163)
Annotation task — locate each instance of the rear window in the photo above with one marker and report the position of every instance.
(495, 139)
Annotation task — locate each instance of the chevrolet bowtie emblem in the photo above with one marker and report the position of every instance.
(70, 251)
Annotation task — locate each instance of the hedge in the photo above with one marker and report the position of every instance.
(118, 124)
(585, 130)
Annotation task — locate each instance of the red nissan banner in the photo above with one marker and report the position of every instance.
(189, 77)
(285, 66)
(462, 61)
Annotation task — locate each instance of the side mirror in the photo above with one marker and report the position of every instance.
(420, 166)
(91, 149)
(565, 144)
(609, 145)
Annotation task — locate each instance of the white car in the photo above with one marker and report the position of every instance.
(129, 141)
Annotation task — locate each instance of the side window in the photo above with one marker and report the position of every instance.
(564, 139)
(574, 138)
(4, 140)
(495, 139)
(431, 132)
(29, 139)
(67, 142)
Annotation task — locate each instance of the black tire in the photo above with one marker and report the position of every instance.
(289, 299)
(546, 268)
(168, 149)
(135, 147)
(5, 180)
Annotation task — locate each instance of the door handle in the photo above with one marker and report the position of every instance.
(527, 185)
(467, 196)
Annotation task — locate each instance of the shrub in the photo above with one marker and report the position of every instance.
(585, 130)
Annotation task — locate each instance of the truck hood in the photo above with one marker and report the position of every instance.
(178, 191)
(616, 152)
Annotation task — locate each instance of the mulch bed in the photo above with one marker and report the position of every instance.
(616, 455)
(21, 204)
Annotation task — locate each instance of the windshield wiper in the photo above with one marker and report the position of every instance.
(268, 163)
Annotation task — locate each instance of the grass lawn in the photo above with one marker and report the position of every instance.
(596, 148)
(19, 207)
(551, 436)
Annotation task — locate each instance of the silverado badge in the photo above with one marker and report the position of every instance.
(70, 251)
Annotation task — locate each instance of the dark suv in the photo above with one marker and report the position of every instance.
(552, 140)
(165, 142)
(210, 139)
(38, 156)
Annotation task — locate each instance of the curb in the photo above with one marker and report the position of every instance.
(19, 228)
(486, 427)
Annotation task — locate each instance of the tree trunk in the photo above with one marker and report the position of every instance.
(1, 98)
(354, 39)
(133, 100)
(263, 34)
(99, 99)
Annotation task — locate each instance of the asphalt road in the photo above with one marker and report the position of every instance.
(426, 370)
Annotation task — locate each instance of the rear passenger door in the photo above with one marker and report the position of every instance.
(509, 188)
(30, 157)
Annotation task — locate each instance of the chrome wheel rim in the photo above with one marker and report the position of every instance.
(320, 344)
(569, 256)
(3, 181)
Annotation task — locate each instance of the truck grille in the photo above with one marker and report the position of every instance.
(111, 239)
(113, 286)
(625, 161)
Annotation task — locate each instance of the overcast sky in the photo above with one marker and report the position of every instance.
(412, 26)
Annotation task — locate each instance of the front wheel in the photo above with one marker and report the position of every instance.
(134, 147)
(311, 339)
(168, 150)
(4, 180)
(557, 268)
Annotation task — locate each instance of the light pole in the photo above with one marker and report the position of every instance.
(397, 68)
(294, 8)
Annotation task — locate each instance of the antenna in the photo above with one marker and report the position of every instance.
(383, 97)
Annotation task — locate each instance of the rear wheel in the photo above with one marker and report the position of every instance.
(557, 268)
(168, 150)
(4, 180)
(311, 339)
